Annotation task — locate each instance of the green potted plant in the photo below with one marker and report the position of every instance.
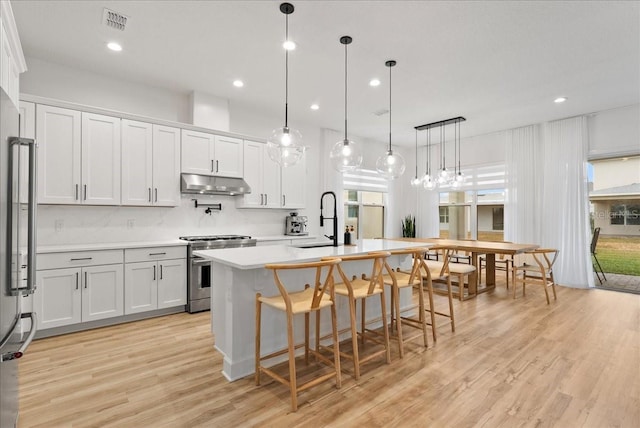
(409, 227)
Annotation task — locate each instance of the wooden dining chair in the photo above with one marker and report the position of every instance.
(399, 279)
(536, 269)
(359, 289)
(311, 299)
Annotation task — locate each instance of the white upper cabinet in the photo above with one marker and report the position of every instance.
(12, 61)
(271, 185)
(150, 164)
(228, 156)
(100, 159)
(59, 160)
(208, 154)
(166, 166)
(262, 175)
(78, 157)
(293, 185)
(137, 163)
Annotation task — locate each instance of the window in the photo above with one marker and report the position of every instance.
(472, 214)
(364, 211)
(444, 214)
(498, 218)
(625, 214)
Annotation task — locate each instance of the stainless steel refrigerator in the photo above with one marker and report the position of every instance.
(17, 252)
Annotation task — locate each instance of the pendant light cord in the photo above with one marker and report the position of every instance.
(390, 108)
(459, 148)
(345, 92)
(455, 147)
(416, 153)
(286, 74)
(428, 170)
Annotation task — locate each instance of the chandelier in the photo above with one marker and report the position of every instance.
(444, 176)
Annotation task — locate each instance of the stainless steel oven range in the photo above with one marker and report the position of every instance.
(199, 269)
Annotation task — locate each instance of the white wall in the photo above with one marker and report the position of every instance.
(614, 132)
(85, 224)
(57, 81)
(615, 172)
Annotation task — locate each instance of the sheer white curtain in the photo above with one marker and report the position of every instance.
(523, 177)
(547, 196)
(565, 216)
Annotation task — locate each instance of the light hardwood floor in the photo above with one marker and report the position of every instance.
(574, 363)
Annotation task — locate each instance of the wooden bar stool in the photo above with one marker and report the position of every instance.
(398, 279)
(438, 272)
(355, 289)
(301, 302)
(538, 272)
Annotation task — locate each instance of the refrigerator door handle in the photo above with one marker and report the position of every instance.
(31, 214)
(8, 356)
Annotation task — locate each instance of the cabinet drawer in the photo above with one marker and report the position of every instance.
(154, 253)
(78, 259)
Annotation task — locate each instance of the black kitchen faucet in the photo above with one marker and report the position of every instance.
(334, 218)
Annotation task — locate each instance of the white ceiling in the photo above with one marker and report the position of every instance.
(499, 64)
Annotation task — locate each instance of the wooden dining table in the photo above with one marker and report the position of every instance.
(476, 248)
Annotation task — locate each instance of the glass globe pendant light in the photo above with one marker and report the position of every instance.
(345, 155)
(415, 181)
(390, 165)
(285, 144)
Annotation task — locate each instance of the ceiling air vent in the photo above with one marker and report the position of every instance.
(114, 20)
(381, 112)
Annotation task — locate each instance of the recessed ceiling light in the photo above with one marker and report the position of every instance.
(560, 100)
(315, 106)
(289, 45)
(114, 46)
(238, 83)
(374, 82)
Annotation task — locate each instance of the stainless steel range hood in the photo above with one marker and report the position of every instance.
(206, 185)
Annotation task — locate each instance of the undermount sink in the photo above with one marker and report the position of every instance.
(316, 245)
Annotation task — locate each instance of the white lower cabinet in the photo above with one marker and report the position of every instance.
(72, 295)
(155, 278)
(76, 287)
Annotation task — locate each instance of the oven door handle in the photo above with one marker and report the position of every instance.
(200, 261)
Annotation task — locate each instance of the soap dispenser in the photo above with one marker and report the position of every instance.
(347, 236)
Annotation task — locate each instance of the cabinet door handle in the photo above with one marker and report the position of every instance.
(85, 280)
(149, 194)
(157, 254)
(284, 200)
(156, 189)
(212, 169)
(85, 192)
(266, 199)
(217, 169)
(261, 198)
(76, 192)
(77, 279)
(160, 271)
(81, 258)
(154, 273)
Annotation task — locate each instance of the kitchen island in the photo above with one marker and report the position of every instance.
(237, 274)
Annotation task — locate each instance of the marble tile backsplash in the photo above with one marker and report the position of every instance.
(64, 224)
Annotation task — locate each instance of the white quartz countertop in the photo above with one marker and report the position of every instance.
(107, 246)
(282, 237)
(257, 257)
